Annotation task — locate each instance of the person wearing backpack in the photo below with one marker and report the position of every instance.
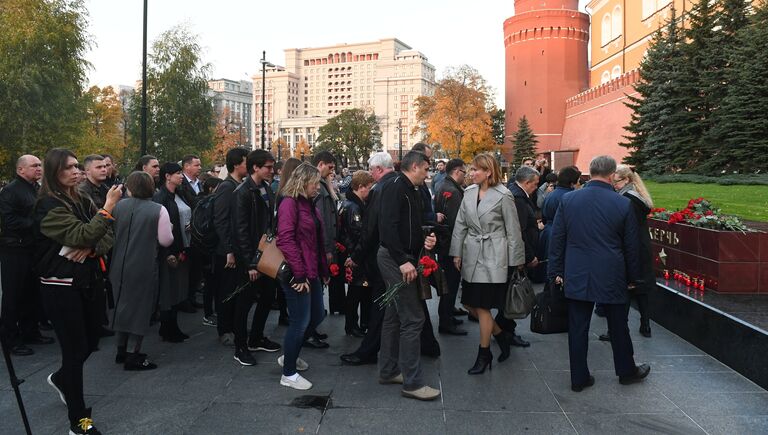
(224, 265)
(204, 239)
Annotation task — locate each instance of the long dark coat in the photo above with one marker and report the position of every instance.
(647, 275)
(134, 272)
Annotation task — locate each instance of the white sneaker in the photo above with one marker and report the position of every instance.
(301, 365)
(298, 384)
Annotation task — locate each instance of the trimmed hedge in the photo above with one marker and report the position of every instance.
(724, 180)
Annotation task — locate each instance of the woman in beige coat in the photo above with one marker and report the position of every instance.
(486, 242)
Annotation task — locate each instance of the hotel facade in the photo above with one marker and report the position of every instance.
(383, 77)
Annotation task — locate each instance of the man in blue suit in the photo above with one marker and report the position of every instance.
(593, 251)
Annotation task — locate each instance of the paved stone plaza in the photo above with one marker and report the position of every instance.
(200, 389)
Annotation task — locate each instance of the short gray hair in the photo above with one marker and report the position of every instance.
(602, 166)
(381, 159)
(525, 174)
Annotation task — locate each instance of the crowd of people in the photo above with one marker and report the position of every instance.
(87, 254)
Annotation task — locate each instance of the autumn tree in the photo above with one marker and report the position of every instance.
(353, 134)
(181, 119)
(101, 132)
(457, 115)
(42, 75)
(280, 149)
(226, 136)
(523, 142)
(302, 149)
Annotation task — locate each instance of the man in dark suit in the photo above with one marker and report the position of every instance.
(593, 252)
(448, 197)
(523, 187)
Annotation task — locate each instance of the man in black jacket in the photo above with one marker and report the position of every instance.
(402, 239)
(448, 199)
(526, 182)
(252, 212)
(383, 172)
(224, 264)
(20, 300)
(190, 191)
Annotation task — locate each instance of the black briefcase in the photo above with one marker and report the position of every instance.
(550, 312)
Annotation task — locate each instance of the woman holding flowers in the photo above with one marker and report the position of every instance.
(300, 238)
(486, 242)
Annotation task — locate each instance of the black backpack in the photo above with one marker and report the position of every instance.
(202, 227)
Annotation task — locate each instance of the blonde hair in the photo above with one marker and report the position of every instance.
(487, 162)
(626, 172)
(304, 175)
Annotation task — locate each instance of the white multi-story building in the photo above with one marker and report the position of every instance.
(237, 97)
(383, 77)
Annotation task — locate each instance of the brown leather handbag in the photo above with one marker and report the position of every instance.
(270, 260)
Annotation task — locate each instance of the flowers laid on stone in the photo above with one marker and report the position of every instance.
(701, 213)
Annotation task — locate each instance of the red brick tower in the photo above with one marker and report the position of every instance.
(546, 62)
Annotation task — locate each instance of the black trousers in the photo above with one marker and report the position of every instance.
(369, 347)
(21, 295)
(579, 317)
(196, 260)
(210, 304)
(429, 343)
(262, 292)
(336, 294)
(507, 325)
(357, 295)
(448, 302)
(225, 281)
(75, 318)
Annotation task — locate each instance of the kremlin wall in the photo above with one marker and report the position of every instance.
(575, 102)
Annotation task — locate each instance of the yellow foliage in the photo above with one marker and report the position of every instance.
(227, 136)
(302, 146)
(456, 116)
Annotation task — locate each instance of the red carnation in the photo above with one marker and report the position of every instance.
(708, 213)
(341, 248)
(348, 274)
(428, 265)
(334, 268)
(447, 195)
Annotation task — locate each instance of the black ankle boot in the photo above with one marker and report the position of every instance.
(645, 328)
(503, 342)
(484, 359)
(138, 362)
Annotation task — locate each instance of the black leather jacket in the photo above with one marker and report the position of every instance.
(448, 198)
(251, 219)
(351, 233)
(187, 193)
(17, 201)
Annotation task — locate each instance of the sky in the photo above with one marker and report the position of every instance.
(234, 33)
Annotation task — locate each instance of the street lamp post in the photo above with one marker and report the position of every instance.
(400, 138)
(264, 65)
(144, 87)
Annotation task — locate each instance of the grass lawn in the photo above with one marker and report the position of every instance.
(747, 202)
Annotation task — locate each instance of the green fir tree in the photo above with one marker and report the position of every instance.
(744, 119)
(730, 17)
(656, 133)
(523, 141)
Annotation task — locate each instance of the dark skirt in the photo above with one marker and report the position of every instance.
(483, 294)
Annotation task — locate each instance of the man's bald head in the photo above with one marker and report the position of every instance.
(29, 168)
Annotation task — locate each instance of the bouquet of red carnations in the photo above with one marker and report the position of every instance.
(426, 267)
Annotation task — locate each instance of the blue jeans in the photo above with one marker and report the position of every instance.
(305, 310)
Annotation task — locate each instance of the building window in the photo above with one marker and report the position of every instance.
(605, 78)
(616, 25)
(605, 36)
(616, 72)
